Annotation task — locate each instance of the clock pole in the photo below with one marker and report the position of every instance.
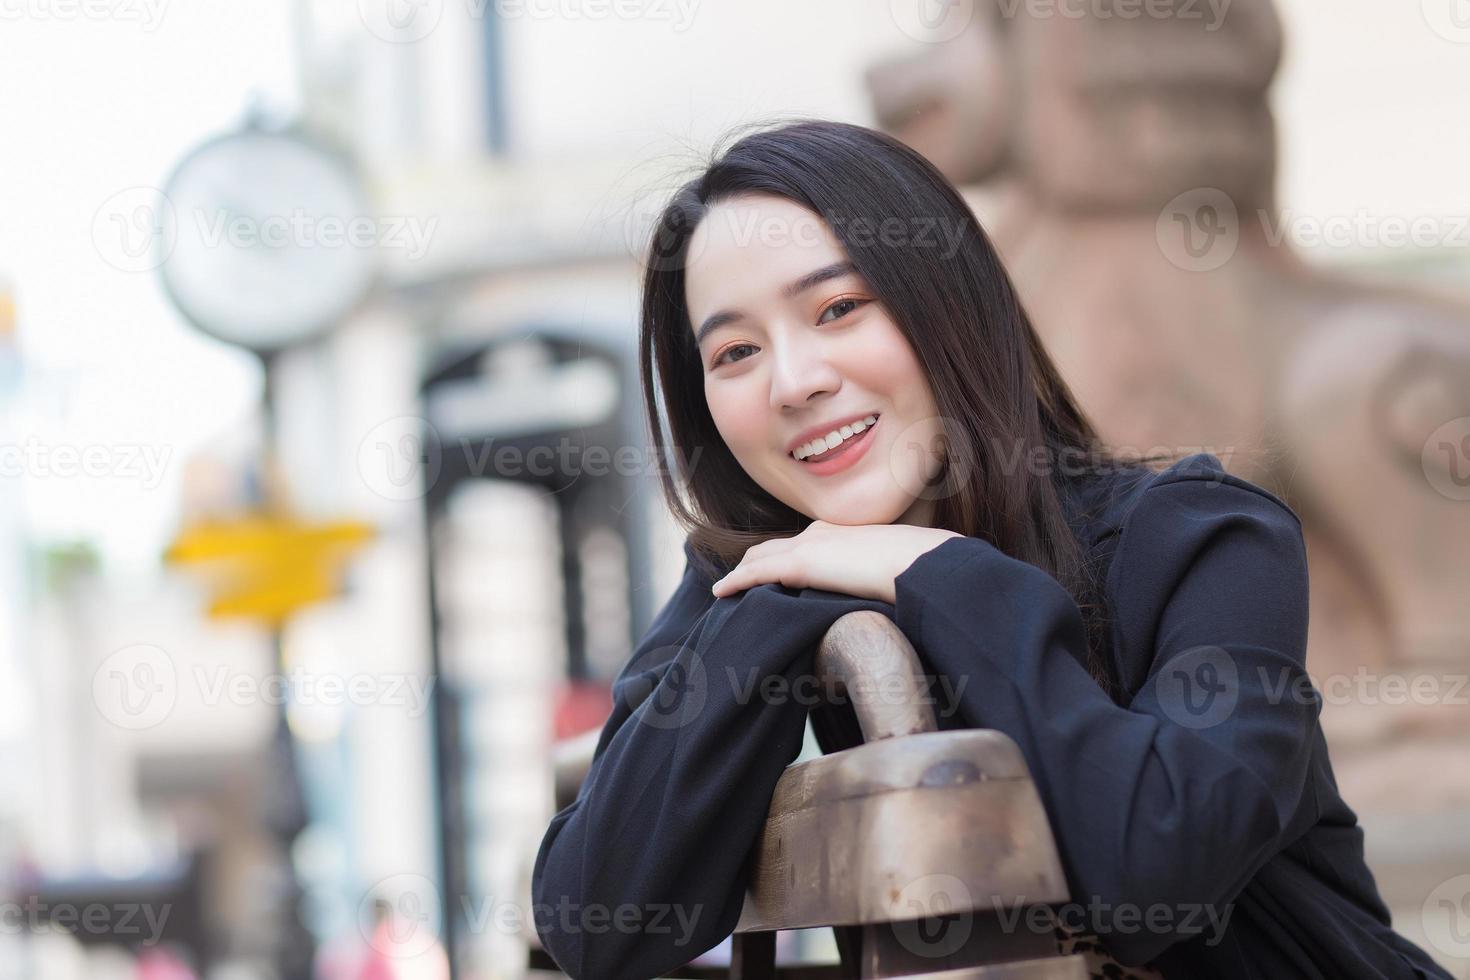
(286, 813)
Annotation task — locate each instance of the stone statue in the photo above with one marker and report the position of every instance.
(1125, 168)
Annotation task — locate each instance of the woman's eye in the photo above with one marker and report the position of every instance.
(726, 353)
(845, 306)
(842, 307)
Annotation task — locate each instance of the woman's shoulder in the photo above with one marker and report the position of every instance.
(1109, 502)
(1161, 529)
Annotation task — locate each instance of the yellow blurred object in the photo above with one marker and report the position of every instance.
(7, 310)
(267, 566)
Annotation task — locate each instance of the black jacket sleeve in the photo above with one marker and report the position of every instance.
(648, 868)
(1171, 803)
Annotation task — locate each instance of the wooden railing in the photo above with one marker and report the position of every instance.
(922, 849)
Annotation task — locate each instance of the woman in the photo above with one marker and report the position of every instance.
(877, 426)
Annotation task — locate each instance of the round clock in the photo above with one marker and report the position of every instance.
(272, 238)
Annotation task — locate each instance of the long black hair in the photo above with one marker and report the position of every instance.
(911, 236)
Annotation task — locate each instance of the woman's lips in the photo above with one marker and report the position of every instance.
(842, 456)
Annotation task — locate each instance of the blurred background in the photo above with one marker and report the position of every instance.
(326, 511)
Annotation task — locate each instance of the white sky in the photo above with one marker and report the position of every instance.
(90, 108)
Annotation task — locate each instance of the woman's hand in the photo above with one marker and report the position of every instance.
(858, 559)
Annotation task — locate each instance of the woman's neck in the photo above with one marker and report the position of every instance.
(920, 513)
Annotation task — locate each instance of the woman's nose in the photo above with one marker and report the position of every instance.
(800, 370)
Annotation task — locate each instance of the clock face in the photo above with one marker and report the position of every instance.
(273, 239)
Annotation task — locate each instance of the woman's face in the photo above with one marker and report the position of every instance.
(794, 347)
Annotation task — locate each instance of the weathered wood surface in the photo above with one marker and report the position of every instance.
(878, 839)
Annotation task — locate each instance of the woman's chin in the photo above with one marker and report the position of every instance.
(857, 514)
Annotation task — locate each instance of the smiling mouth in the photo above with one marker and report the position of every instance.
(841, 447)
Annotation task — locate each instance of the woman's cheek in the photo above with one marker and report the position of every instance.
(739, 423)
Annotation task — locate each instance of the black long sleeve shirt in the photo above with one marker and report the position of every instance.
(1198, 823)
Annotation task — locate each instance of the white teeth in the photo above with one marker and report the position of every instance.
(834, 438)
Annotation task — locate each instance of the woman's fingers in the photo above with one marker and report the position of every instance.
(784, 568)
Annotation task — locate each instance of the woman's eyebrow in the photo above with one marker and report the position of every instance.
(814, 278)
